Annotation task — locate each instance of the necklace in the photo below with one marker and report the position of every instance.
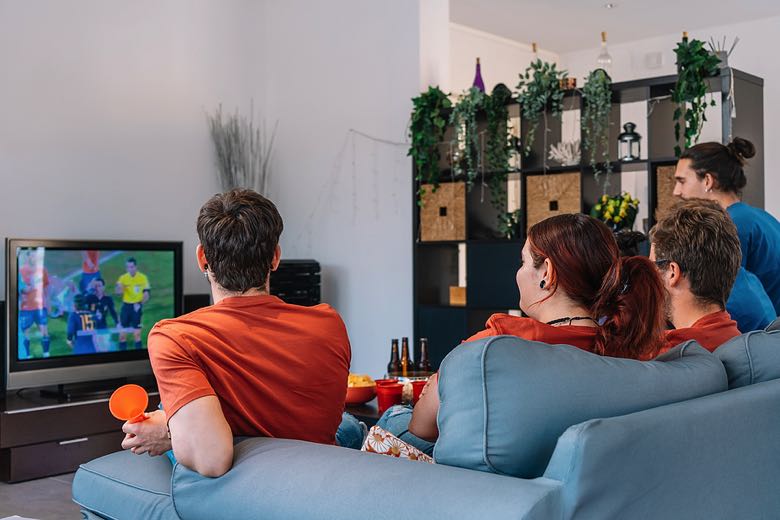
(567, 318)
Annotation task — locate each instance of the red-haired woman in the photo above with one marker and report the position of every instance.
(575, 290)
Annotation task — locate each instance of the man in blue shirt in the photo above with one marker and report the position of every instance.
(716, 172)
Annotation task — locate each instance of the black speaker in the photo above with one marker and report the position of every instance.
(194, 302)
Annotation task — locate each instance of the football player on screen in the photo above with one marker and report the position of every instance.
(135, 290)
(33, 288)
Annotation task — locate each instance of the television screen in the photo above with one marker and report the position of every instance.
(76, 302)
(79, 311)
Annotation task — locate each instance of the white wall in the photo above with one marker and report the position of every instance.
(103, 132)
(502, 59)
(347, 200)
(755, 54)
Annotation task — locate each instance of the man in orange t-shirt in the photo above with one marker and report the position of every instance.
(249, 365)
(696, 248)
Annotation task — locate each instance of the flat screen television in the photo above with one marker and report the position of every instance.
(79, 311)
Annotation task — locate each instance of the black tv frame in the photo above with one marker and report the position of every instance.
(64, 370)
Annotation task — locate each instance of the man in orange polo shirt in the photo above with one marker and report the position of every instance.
(249, 365)
(696, 248)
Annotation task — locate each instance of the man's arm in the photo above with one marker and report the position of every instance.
(423, 423)
(146, 296)
(201, 437)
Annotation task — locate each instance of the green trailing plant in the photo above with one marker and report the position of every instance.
(464, 119)
(597, 97)
(539, 89)
(509, 223)
(694, 65)
(498, 148)
(428, 124)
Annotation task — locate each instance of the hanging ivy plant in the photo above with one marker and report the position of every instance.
(597, 96)
(464, 120)
(694, 65)
(428, 124)
(497, 151)
(539, 89)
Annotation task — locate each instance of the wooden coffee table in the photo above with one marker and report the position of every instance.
(368, 413)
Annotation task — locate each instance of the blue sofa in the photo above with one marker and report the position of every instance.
(530, 432)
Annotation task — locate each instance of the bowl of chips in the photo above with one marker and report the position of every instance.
(360, 389)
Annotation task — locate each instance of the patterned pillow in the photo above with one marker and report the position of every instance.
(385, 443)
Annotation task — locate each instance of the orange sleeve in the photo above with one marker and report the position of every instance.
(481, 334)
(179, 378)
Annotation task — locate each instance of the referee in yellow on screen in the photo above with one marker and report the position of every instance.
(135, 290)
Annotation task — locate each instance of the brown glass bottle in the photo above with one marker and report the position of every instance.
(406, 361)
(394, 366)
(424, 365)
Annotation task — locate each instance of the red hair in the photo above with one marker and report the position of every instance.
(625, 295)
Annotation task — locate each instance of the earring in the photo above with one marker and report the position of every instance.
(206, 275)
(541, 284)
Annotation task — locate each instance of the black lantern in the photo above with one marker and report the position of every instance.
(628, 143)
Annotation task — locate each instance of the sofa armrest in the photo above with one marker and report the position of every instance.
(286, 479)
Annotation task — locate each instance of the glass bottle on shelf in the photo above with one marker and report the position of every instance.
(604, 59)
(394, 366)
(478, 83)
(406, 360)
(424, 364)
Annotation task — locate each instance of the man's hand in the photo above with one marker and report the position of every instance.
(149, 436)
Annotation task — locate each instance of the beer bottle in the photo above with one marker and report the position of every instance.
(424, 365)
(406, 361)
(394, 366)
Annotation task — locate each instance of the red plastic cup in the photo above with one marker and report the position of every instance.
(417, 388)
(128, 403)
(387, 395)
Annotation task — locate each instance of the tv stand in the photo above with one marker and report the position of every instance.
(76, 391)
(44, 435)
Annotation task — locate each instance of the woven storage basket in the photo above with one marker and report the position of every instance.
(443, 213)
(664, 181)
(552, 194)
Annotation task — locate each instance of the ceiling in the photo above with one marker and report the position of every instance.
(568, 25)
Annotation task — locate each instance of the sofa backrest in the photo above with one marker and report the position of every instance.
(750, 358)
(713, 457)
(775, 325)
(505, 401)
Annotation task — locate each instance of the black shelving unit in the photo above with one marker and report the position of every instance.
(491, 262)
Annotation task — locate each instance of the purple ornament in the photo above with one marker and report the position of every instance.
(478, 83)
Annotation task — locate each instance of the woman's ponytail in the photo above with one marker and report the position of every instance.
(631, 303)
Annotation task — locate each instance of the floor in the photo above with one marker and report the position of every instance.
(42, 499)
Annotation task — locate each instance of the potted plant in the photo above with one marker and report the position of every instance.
(428, 124)
(694, 65)
(539, 90)
(597, 97)
(618, 211)
(464, 119)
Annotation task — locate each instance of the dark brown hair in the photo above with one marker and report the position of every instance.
(725, 163)
(239, 231)
(701, 238)
(627, 293)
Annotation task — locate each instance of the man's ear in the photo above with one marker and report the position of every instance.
(709, 181)
(674, 274)
(277, 257)
(201, 258)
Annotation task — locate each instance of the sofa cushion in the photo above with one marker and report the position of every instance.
(125, 486)
(505, 401)
(751, 358)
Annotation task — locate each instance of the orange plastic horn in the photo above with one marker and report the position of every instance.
(128, 403)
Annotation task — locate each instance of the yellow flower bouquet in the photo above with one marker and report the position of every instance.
(617, 212)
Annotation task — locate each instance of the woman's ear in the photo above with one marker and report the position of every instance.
(546, 272)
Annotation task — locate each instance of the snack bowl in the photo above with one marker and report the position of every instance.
(360, 394)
